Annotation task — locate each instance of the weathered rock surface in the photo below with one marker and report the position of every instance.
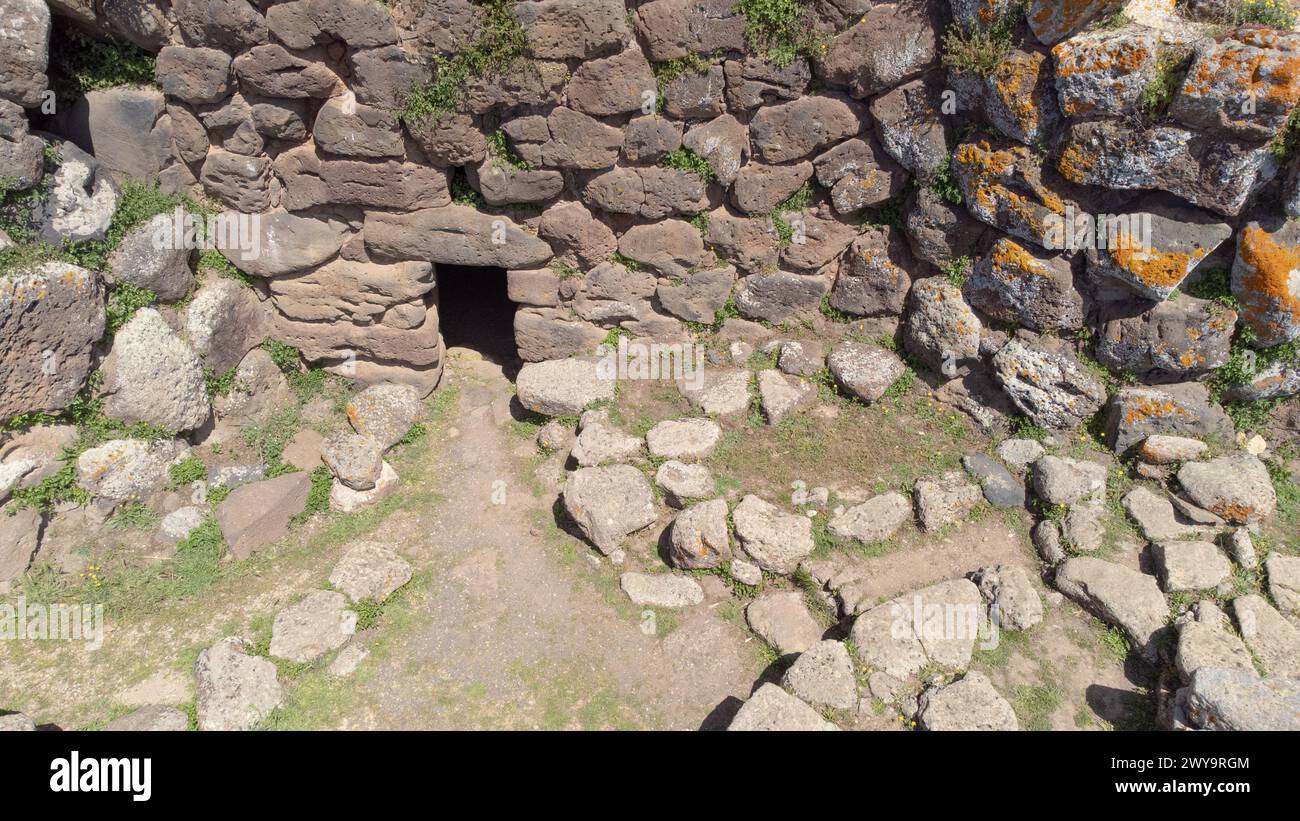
(235, 690)
(609, 503)
(1119, 595)
(783, 621)
(319, 623)
(771, 708)
(775, 540)
(50, 318)
(968, 704)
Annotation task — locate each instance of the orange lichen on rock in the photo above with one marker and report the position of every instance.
(1015, 81)
(1153, 267)
(1075, 163)
(1269, 297)
(1010, 259)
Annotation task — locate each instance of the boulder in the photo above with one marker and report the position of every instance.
(1156, 516)
(256, 514)
(454, 235)
(599, 444)
(319, 623)
(1024, 287)
(124, 129)
(582, 29)
(661, 590)
(1154, 249)
(941, 328)
(943, 501)
(778, 297)
(1003, 185)
(139, 261)
(775, 540)
(1119, 595)
(999, 486)
(720, 392)
(1207, 170)
(355, 460)
(50, 319)
(780, 395)
(1186, 566)
(793, 130)
(757, 80)
(970, 703)
(1017, 97)
(937, 624)
(823, 676)
(1236, 487)
(1048, 383)
(1060, 480)
(235, 691)
(723, 142)
(611, 85)
(1264, 280)
(681, 482)
(675, 28)
(24, 51)
(224, 322)
(864, 370)
(1184, 409)
(289, 243)
(122, 470)
(874, 277)
(1159, 449)
(81, 202)
(313, 181)
(152, 375)
(771, 708)
(562, 387)
(1209, 98)
(194, 75)
(874, 520)
(385, 413)
(272, 71)
(1052, 22)
(1210, 643)
(910, 127)
(783, 621)
(683, 439)
(229, 24)
(1013, 601)
(370, 571)
(760, 188)
(1179, 338)
(609, 503)
(1273, 641)
(890, 43)
(1105, 72)
(1220, 699)
(700, 536)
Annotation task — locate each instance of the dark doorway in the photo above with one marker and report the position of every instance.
(474, 312)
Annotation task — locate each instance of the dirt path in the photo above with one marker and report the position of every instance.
(518, 628)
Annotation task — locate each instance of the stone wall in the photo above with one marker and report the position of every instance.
(658, 167)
